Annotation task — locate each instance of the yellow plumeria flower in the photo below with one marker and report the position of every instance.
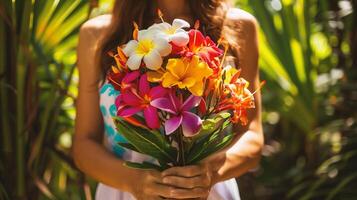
(148, 48)
(186, 73)
(156, 76)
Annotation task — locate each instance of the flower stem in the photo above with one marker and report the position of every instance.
(181, 148)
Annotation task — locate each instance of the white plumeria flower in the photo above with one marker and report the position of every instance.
(173, 33)
(147, 47)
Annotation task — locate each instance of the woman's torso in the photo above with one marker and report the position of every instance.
(227, 190)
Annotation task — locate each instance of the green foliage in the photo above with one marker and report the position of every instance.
(38, 56)
(306, 59)
(210, 139)
(144, 166)
(154, 144)
(147, 142)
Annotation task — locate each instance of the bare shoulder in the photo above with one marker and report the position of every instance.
(89, 36)
(236, 14)
(95, 27)
(243, 26)
(243, 19)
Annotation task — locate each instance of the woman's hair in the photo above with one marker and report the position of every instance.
(210, 13)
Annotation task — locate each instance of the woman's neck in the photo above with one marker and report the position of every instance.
(174, 9)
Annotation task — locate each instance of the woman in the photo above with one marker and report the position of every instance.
(214, 177)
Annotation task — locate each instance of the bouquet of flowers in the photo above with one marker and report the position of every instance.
(176, 95)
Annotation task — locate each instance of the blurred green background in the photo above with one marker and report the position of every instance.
(308, 57)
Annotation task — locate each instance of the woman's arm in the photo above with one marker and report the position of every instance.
(89, 153)
(244, 153)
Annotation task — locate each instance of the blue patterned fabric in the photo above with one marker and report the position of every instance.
(108, 109)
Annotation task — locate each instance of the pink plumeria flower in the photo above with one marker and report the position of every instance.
(134, 100)
(174, 33)
(180, 114)
(147, 48)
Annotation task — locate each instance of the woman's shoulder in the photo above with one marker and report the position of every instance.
(90, 34)
(245, 20)
(96, 26)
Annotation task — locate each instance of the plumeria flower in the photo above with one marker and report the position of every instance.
(186, 73)
(173, 33)
(138, 99)
(120, 80)
(180, 114)
(147, 48)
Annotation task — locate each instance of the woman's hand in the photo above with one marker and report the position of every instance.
(150, 184)
(195, 178)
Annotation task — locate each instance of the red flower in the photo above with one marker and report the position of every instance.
(237, 98)
(201, 46)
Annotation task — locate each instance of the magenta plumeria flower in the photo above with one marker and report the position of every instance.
(180, 113)
(134, 100)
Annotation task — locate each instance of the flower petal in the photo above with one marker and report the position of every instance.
(160, 27)
(128, 111)
(180, 23)
(175, 101)
(169, 80)
(191, 124)
(176, 67)
(144, 87)
(118, 100)
(187, 82)
(157, 92)
(191, 102)
(180, 38)
(151, 117)
(134, 61)
(130, 98)
(162, 46)
(155, 76)
(131, 76)
(163, 104)
(196, 38)
(153, 60)
(172, 124)
(145, 34)
(130, 47)
(197, 88)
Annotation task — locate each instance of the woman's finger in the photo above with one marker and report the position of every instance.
(186, 171)
(189, 183)
(161, 190)
(170, 192)
(190, 193)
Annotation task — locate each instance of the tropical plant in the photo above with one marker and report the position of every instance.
(304, 55)
(37, 65)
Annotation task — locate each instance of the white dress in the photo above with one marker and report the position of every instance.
(226, 190)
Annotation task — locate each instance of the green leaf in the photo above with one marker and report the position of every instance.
(212, 148)
(128, 146)
(143, 166)
(212, 124)
(147, 142)
(200, 147)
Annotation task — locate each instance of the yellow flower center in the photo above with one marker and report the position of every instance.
(145, 47)
(147, 99)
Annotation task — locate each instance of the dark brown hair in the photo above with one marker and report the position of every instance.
(210, 13)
